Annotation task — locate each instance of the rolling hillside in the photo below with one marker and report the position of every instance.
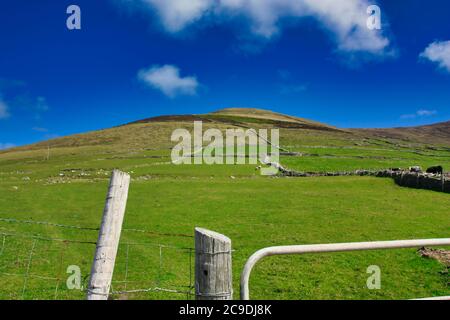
(438, 133)
(56, 190)
(155, 132)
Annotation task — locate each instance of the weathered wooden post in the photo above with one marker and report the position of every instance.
(213, 276)
(108, 238)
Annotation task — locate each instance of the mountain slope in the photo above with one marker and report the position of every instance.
(155, 132)
(438, 133)
(242, 117)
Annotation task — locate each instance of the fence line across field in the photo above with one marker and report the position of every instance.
(116, 200)
(43, 238)
(61, 277)
(5, 235)
(52, 224)
(101, 276)
(46, 223)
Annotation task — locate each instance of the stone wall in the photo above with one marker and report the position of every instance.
(417, 180)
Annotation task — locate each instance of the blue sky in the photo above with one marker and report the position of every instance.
(134, 59)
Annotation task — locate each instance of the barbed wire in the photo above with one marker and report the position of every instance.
(154, 289)
(250, 222)
(47, 223)
(29, 275)
(39, 237)
(12, 220)
(29, 261)
(159, 233)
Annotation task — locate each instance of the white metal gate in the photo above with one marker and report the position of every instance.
(334, 247)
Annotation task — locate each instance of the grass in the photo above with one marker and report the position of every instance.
(168, 201)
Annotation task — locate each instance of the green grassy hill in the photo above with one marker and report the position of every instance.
(64, 182)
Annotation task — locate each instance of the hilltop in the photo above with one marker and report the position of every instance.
(155, 132)
(244, 117)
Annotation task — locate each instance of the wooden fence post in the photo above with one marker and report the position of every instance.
(108, 238)
(213, 276)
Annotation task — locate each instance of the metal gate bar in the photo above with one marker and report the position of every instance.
(335, 247)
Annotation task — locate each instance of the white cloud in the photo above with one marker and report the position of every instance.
(168, 80)
(419, 113)
(347, 19)
(177, 14)
(426, 113)
(4, 113)
(292, 89)
(284, 74)
(50, 136)
(39, 129)
(41, 105)
(438, 52)
(6, 145)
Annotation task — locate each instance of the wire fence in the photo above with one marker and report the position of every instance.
(45, 265)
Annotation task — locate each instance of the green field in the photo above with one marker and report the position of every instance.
(168, 201)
